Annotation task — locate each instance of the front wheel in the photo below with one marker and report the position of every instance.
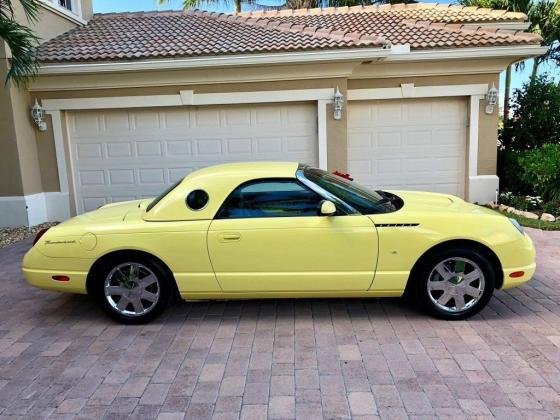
(454, 284)
(132, 291)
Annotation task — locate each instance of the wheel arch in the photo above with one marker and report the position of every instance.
(464, 243)
(128, 253)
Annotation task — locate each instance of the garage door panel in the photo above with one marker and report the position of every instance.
(178, 147)
(121, 177)
(117, 122)
(138, 153)
(91, 178)
(239, 146)
(89, 151)
(417, 144)
(174, 120)
(146, 120)
(149, 148)
(119, 149)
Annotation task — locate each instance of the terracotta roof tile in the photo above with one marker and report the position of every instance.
(151, 35)
(421, 26)
(417, 11)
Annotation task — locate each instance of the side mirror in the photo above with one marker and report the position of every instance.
(327, 208)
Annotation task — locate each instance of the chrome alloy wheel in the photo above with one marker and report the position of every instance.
(132, 289)
(456, 284)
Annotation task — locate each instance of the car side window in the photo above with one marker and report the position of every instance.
(270, 198)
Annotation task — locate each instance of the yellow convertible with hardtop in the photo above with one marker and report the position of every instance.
(272, 230)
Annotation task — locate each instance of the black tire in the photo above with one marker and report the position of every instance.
(426, 270)
(147, 267)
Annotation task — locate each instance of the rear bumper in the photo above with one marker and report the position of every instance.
(43, 280)
(38, 270)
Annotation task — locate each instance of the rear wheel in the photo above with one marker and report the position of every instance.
(132, 291)
(454, 284)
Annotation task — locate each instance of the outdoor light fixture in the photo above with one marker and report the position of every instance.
(38, 115)
(491, 99)
(338, 101)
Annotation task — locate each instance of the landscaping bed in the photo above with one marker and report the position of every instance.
(532, 223)
(9, 236)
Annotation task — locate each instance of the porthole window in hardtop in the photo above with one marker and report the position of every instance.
(270, 198)
(197, 199)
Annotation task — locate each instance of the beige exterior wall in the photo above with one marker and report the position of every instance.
(10, 171)
(488, 136)
(87, 9)
(51, 25)
(22, 172)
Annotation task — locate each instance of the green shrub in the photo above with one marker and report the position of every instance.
(509, 172)
(535, 116)
(540, 168)
(552, 208)
(521, 202)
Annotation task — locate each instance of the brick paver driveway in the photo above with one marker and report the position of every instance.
(61, 357)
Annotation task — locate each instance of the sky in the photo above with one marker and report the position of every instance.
(107, 6)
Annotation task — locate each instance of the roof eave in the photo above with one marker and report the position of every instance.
(370, 54)
(525, 51)
(361, 53)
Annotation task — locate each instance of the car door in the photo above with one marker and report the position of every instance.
(269, 237)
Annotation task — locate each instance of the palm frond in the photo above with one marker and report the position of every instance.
(6, 9)
(30, 8)
(23, 45)
(545, 21)
(489, 4)
(188, 4)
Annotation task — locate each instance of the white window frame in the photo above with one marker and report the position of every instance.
(74, 14)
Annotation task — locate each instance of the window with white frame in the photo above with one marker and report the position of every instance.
(65, 6)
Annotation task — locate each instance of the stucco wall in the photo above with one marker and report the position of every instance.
(50, 24)
(22, 172)
(87, 9)
(10, 172)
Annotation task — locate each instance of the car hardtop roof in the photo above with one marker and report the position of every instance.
(248, 169)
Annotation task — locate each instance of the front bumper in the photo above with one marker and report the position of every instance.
(524, 253)
(509, 282)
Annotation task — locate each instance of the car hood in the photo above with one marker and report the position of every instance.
(418, 201)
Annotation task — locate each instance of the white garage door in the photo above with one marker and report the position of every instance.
(415, 144)
(128, 154)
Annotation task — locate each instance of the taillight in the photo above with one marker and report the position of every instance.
(39, 234)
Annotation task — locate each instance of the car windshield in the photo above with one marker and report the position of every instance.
(160, 197)
(362, 199)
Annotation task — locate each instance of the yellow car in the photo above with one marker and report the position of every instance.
(269, 230)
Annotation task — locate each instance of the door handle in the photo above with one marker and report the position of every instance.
(230, 237)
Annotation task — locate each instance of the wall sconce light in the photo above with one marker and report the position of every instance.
(38, 115)
(338, 101)
(491, 99)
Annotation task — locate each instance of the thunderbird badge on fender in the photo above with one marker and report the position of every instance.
(264, 230)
